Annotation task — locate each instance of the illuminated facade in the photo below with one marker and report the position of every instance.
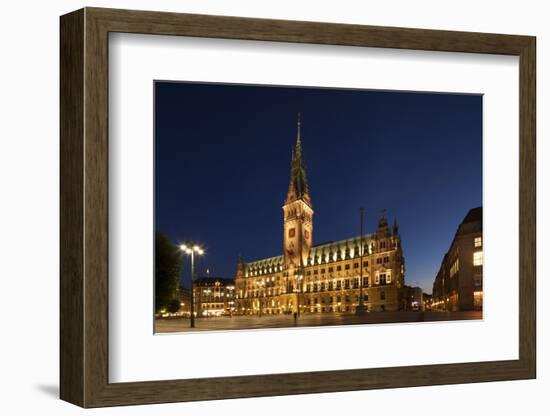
(459, 282)
(214, 296)
(323, 278)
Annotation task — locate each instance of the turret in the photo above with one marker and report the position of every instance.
(395, 230)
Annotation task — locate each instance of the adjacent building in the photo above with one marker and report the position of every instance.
(332, 277)
(184, 297)
(459, 282)
(412, 298)
(214, 296)
(427, 299)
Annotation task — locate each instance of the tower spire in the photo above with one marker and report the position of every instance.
(299, 123)
(298, 187)
(395, 226)
(298, 147)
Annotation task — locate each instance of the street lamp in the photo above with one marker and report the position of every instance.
(191, 250)
(260, 284)
(298, 290)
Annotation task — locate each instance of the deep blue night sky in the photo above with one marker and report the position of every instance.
(222, 155)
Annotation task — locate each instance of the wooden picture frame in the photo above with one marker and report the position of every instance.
(84, 207)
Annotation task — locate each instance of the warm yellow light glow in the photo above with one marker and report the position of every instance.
(200, 252)
(196, 248)
(183, 247)
(478, 258)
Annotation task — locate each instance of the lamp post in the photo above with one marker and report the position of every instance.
(191, 250)
(260, 284)
(299, 277)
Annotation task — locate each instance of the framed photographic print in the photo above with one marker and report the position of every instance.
(302, 207)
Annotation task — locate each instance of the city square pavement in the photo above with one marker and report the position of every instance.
(171, 325)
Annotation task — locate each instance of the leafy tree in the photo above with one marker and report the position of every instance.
(173, 306)
(167, 271)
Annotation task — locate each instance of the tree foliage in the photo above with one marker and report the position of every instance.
(167, 271)
(173, 306)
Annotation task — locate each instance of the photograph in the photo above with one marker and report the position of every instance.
(280, 206)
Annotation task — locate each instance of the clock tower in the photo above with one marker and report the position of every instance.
(298, 214)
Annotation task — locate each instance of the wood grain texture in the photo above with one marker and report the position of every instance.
(527, 208)
(71, 211)
(84, 207)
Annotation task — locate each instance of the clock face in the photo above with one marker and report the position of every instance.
(306, 234)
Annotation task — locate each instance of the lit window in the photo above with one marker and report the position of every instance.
(478, 258)
(454, 268)
(477, 242)
(478, 300)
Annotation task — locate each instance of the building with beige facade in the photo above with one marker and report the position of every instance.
(214, 296)
(338, 276)
(459, 283)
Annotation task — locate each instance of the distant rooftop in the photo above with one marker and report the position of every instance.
(212, 280)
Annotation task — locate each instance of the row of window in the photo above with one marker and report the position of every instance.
(380, 279)
(347, 254)
(326, 258)
(215, 295)
(212, 306)
(322, 301)
(477, 261)
(338, 299)
(331, 286)
(328, 300)
(346, 267)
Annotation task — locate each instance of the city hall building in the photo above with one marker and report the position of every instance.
(337, 276)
